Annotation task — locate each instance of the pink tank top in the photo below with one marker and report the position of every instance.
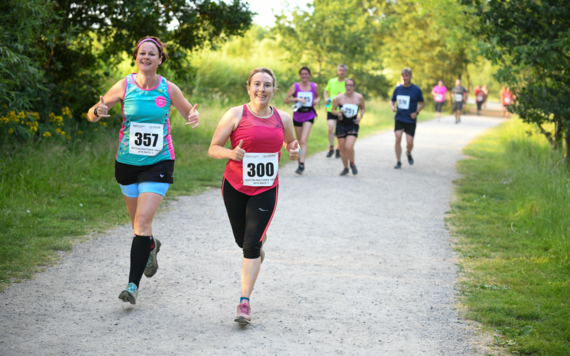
(259, 136)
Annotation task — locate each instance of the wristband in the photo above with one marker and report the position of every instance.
(95, 112)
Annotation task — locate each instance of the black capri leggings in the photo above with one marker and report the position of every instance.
(250, 216)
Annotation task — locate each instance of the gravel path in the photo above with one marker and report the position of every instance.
(355, 266)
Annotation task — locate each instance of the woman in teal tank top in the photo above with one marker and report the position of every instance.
(144, 164)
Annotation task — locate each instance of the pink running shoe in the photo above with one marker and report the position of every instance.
(243, 311)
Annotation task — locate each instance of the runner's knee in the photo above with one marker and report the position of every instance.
(252, 247)
(142, 220)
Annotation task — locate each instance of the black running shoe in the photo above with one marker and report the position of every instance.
(410, 159)
(337, 155)
(300, 170)
(398, 165)
(331, 152)
(353, 168)
(344, 172)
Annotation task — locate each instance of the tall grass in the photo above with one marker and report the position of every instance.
(512, 218)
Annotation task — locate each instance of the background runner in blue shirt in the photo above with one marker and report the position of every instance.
(407, 102)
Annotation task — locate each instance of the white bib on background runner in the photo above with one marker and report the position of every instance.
(403, 102)
(308, 96)
(507, 100)
(458, 97)
(438, 97)
(480, 98)
(260, 169)
(349, 110)
(146, 139)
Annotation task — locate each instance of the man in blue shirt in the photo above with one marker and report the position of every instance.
(407, 102)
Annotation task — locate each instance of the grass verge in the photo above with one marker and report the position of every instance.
(511, 218)
(52, 193)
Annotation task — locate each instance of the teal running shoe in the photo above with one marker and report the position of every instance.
(130, 294)
(152, 264)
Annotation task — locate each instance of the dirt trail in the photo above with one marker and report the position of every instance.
(355, 266)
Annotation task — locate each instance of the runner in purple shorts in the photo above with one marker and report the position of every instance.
(306, 96)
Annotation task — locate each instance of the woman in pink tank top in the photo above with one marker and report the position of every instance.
(257, 132)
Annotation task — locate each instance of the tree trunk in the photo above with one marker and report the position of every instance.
(546, 134)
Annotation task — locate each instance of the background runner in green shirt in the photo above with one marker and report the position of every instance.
(334, 87)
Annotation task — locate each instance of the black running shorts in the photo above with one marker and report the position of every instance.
(457, 106)
(331, 116)
(343, 130)
(409, 129)
(300, 124)
(162, 172)
(438, 106)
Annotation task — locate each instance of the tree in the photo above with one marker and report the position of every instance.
(331, 33)
(429, 36)
(21, 76)
(530, 41)
(77, 41)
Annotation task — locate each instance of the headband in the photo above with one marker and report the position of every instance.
(150, 39)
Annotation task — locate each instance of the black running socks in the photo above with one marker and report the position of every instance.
(140, 251)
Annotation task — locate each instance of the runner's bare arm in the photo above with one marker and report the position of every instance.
(188, 112)
(289, 97)
(420, 107)
(362, 109)
(393, 106)
(106, 102)
(317, 99)
(291, 145)
(326, 95)
(226, 126)
(335, 104)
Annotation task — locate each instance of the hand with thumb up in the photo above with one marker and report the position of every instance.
(102, 109)
(294, 151)
(238, 152)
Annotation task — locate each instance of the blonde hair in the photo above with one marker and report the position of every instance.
(262, 70)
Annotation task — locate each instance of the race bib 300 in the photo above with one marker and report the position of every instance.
(260, 169)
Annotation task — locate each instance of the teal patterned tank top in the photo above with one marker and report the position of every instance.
(146, 119)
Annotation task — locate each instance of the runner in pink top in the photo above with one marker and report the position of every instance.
(256, 135)
(257, 132)
(438, 93)
(507, 98)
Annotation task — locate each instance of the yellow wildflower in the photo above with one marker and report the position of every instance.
(102, 123)
(12, 115)
(62, 133)
(35, 115)
(66, 111)
(47, 134)
(68, 137)
(11, 131)
(79, 132)
(84, 115)
(4, 120)
(58, 130)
